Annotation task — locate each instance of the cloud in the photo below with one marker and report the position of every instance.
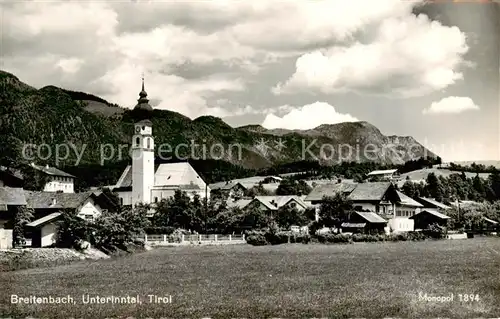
(452, 104)
(408, 56)
(307, 117)
(196, 52)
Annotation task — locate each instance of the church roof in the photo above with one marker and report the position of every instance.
(179, 175)
(145, 122)
(143, 102)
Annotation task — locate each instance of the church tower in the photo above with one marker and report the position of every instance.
(143, 158)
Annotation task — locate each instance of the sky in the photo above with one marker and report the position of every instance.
(428, 71)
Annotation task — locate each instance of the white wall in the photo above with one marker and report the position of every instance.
(59, 183)
(89, 210)
(49, 232)
(126, 197)
(5, 238)
(401, 224)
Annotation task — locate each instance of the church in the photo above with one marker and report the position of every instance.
(146, 182)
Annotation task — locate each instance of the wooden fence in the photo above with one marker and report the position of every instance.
(158, 240)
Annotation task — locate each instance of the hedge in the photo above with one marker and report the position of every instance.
(259, 238)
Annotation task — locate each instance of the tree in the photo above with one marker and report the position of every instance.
(410, 190)
(293, 187)
(175, 211)
(22, 216)
(288, 216)
(256, 218)
(434, 187)
(257, 190)
(334, 210)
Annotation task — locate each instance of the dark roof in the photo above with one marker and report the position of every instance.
(408, 201)
(355, 192)
(371, 217)
(432, 202)
(44, 220)
(491, 221)
(44, 200)
(145, 122)
(224, 185)
(369, 191)
(51, 170)
(12, 172)
(12, 196)
(432, 212)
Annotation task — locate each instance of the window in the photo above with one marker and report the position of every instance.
(138, 141)
(148, 141)
(121, 201)
(88, 217)
(156, 199)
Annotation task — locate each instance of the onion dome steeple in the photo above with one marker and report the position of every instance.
(143, 102)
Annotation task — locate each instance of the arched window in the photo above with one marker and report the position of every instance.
(138, 141)
(148, 141)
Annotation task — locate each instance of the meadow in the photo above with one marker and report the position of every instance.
(286, 281)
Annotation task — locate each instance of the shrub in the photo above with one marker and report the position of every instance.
(397, 237)
(368, 237)
(71, 231)
(416, 236)
(256, 240)
(300, 238)
(276, 238)
(435, 231)
(338, 238)
(159, 230)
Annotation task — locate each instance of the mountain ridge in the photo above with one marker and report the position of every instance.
(54, 116)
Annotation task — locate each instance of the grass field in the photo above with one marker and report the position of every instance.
(359, 280)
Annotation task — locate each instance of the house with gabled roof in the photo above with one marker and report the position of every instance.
(364, 222)
(269, 203)
(383, 175)
(428, 216)
(87, 205)
(55, 179)
(432, 203)
(227, 190)
(48, 208)
(10, 199)
(381, 198)
(10, 177)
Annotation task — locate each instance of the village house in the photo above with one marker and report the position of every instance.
(10, 177)
(270, 204)
(227, 190)
(381, 198)
(364, 222)
(432, 203)
(48, 208)
(55, 179)
(383, 175)
(11, 199)
(143, 181)
(429, 216)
